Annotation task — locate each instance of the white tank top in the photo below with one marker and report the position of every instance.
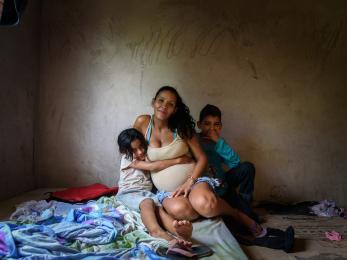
(172, 177)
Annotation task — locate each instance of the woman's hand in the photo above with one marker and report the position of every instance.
(183, 189)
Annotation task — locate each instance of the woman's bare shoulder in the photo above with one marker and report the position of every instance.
(142, 122)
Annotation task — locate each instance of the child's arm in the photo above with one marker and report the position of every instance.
(229, 156)
(159, 165)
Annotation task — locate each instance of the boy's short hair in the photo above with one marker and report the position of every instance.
(210, 110)
(126, 137)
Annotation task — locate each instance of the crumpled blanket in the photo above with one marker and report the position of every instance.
(57, 230)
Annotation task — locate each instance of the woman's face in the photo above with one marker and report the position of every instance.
(164, 105)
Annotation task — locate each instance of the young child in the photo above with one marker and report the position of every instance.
(219, 153)
(135, 189)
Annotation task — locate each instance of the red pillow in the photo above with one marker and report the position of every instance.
(81, 194)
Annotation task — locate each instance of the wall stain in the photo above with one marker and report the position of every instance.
(60, 122)
(254, 70)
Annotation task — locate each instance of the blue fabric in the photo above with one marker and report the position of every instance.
(228, 155)
(93, 232)
(52, 236)
(149, 130)
(213, 183)
(39, 240)
(7, 244)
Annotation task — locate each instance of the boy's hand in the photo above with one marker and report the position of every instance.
(213, 134)
(184, 159)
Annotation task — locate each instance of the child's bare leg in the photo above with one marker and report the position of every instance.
(181, 228)
(208, 204)
(150, 220)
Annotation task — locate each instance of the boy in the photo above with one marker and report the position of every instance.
(219, 153)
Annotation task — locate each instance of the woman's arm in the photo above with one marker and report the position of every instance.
(201, 163)
(159, 165)
(199, 155)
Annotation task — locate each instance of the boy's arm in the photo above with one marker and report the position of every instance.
(229, 156)
(159, 165)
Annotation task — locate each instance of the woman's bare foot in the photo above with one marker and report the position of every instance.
(184, 229)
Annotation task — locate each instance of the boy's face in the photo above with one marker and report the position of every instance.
(210, 126)
(138, 150)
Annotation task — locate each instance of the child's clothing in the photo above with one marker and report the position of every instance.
(240, 174)
(212, 182)
(134, 186)
(218, 154)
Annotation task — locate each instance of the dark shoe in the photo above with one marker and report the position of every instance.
(274, 238)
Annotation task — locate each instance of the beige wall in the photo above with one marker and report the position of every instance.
(19, 58)
(276, 69)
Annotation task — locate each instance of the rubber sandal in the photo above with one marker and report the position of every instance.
(176, 249)
(201, 250)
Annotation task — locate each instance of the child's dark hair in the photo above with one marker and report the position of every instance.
(126, 137)
(181, 119)
(210, 110)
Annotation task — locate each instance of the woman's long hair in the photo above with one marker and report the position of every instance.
(181, 119)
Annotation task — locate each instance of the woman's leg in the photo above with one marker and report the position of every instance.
(209, 205)
(180, 208)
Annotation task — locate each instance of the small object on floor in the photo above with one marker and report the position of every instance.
(176, 251)
(274, 238)
(333, 235)
(327, 208)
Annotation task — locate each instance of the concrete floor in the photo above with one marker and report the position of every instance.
(310, 242)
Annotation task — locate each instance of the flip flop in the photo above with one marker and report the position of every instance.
(201, 250)
(176, 249)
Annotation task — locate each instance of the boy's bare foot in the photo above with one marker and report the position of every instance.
(184, 229)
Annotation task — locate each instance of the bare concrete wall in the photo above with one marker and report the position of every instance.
(19, 57)
(276, 68)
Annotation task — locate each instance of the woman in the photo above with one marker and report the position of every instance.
(170, 133)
